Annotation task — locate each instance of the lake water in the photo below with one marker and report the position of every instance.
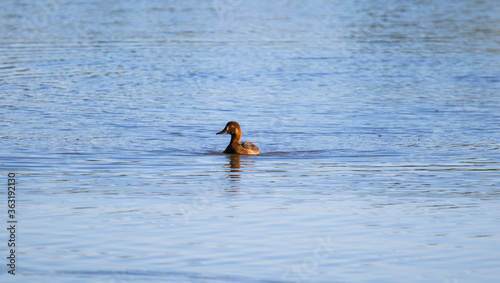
(378, 123)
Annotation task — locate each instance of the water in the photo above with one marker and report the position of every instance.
(378, 124)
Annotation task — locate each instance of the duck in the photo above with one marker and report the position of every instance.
(235, 145)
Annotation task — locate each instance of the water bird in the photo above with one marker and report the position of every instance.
(235, 145)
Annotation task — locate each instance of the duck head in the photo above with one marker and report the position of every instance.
(232, 128)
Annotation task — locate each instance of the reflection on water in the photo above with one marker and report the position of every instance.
(235, 162)
(377, 122)
(235, 165)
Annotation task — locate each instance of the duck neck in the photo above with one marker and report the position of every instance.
(235, 138)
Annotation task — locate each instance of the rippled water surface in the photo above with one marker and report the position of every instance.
(378, 123)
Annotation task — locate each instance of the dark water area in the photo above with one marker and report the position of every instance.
(377, 122)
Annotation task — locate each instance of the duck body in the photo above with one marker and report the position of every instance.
(242, 148)
(235, 145)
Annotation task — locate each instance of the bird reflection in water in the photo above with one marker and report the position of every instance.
(235, 163)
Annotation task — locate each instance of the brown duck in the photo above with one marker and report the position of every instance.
(235, 145)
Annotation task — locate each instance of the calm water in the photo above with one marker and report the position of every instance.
(378, 123)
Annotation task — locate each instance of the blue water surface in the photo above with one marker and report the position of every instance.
(378, 123)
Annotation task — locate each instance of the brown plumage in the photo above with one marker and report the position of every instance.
(235, 146)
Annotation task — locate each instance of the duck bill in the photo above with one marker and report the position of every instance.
(222, 132)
